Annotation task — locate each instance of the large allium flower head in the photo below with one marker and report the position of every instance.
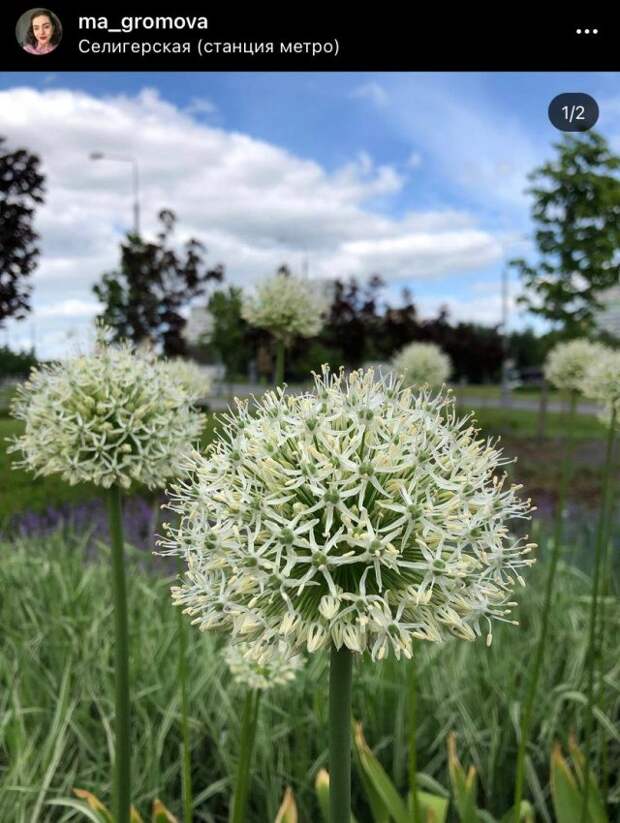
(262, 667)
(193, 379)
(363, 514)
(602, 383)
(113, 416)
(422, 363)
(287, 306)
(568, 363)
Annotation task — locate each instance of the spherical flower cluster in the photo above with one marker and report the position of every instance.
(193, 379)
(568, 363)
(262, 667)
(113, 416)
(286, 306)
(422, 363)
(363, 514)
(602, 383)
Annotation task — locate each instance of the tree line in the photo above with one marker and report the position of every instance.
(576, 217)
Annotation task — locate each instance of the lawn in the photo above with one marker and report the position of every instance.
(20, 491)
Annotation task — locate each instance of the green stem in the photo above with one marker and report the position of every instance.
(413, 757)
(186, 770)
(526, 717)
(122, 764)
(279, 362)
(246, 746)
(592, 656)
(607, 566)
(340, 680)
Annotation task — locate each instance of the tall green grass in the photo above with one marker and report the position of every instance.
(57, 697)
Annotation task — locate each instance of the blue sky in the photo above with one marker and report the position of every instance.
(417, 176)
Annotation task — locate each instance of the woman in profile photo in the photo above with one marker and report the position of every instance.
(43, 33)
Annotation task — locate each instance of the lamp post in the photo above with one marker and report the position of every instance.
(99, 155)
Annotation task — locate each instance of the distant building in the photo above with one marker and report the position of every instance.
(608, 319)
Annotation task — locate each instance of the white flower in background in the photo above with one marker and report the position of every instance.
(568, 363)
(363, 514)
(422, 363)
(602, 383)
(113, 416)
(193, 379)
(286, 306)
(262, 667)
(199, 326)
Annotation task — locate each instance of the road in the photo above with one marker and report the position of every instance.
(224, 393)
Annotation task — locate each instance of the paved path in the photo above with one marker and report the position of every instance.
(225, 392)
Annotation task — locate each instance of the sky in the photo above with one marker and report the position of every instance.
(418, 177)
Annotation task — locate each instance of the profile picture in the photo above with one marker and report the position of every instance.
(38, 31)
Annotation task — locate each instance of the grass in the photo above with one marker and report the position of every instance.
(56, 696)
(20, 491)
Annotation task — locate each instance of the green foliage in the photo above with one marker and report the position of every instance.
(143, 299)
(231, 338)
(21, 190)
(16, 364)
(567, 788)
(57, 689)
(20, 491)
(93, 809)
(577, 215)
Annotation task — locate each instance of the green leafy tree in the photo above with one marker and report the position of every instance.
(143, 300)
(577, 216)
(231, 336)
(21, 188)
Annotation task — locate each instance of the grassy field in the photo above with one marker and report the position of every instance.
(20, 491)
(56, 696)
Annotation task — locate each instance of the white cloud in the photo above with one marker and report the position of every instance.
(200, 105)
(414, 161)
(479, 148)
(253, 204)
(373, 92)
(68, 308)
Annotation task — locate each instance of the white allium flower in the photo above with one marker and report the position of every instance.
(363, 514)
(262, 667)
(286, 306)
(568, 363)
(113, 416)
(422, 363)
(602, 383)
(193, 379)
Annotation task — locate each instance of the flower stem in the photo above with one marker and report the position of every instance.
(279, 362)
(340, 680)
(185, 758)
(601, 531)
(122, 764)
(526, 717)
(246, 746)
(413, 759)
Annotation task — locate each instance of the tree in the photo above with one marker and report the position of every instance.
(577, 213)
(353, 322)
(231, 336)
(143, 299)
(21, 187)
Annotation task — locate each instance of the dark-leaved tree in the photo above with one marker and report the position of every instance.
(21, 187)
(144, 298)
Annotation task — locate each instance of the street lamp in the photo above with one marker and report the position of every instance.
(99, 155)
